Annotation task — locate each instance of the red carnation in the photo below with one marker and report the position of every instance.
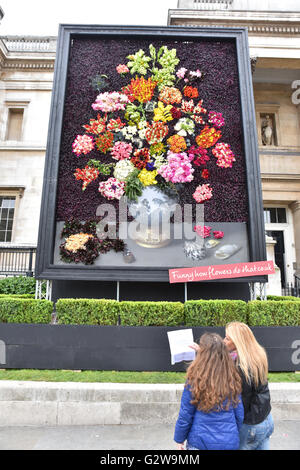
(176, 113)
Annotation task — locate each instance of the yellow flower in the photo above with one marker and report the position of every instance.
(162, 113)
(77, 242)
(147, 177)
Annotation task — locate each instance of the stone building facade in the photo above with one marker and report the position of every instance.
(26, 76)
(274, 42)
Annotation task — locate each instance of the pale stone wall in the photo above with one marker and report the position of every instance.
(25, 82)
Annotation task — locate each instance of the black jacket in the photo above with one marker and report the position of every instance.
(256, 401)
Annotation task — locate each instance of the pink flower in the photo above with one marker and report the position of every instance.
(109, 102)
(181, 72)
(218, 234)
(83, 144)
(121, 68)
(216, 119)
(202, 230)
(121, 151)
(112, 188)
(178, 169)
(224, 155)
(197, 74)
(202, 193)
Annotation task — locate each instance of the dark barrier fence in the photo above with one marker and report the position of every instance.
(16, 261)
(90, 347)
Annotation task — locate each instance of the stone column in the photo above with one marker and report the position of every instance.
(295, 206)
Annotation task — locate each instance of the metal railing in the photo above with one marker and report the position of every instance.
(16, 260)
(292, 289)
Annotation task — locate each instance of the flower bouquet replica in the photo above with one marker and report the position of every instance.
(153, 132)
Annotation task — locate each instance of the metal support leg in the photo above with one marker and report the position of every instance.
(258, 289)
(118, 291)
(43, 289)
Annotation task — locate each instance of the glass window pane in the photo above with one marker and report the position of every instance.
(6, 203)
(9, 225)
(2, 236)
(273, 215)
(8, 236)
(4, 214)
(3, 224)
(281, 215)
(10, 213)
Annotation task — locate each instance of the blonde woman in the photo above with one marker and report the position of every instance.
(252, 363)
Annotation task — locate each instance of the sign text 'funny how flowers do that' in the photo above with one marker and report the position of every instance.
(208, 273)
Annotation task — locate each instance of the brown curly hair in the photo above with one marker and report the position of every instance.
(213, 378)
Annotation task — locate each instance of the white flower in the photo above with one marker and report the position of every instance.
(159, 161)
(185, 126)
(122, 169)
(129, 131)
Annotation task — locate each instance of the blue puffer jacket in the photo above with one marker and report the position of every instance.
(208, 431)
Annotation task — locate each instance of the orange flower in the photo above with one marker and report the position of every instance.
(141, 89)
(208, 137)
(176, 143)
(170, 95)
(191, 92)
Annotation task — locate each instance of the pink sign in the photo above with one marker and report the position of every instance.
(221, 271)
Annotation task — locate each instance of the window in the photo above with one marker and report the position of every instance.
(275, 215)
(15, 124)
(7, 210)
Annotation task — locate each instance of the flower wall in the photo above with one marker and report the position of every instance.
(204, 141)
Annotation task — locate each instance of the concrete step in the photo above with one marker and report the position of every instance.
(69, 403)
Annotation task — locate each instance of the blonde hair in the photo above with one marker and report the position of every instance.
(252, 356)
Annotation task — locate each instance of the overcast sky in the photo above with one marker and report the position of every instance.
(42, 17)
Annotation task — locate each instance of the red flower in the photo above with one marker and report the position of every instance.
(191, 92)
(205, 173)
(176, 113)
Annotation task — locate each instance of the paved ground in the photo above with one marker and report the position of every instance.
(122, 437)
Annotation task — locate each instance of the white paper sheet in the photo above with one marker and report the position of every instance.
(179, 342)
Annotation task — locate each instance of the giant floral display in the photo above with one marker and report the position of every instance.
(156, 128)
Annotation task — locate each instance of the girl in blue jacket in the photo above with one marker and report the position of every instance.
(211, 412)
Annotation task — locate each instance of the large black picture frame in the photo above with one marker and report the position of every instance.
(45, 269)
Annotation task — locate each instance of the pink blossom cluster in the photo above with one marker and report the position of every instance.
(112, 188)
(109, 102)
(202, 230)
(121, 150)
(202, 193)
(218, 234)
(121, 68)
(224, 155)
(178, 169)
(181, 72)
(216, 119)
(83, 144)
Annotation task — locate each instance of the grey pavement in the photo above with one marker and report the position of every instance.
(120, 437)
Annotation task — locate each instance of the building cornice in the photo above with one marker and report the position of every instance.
(27, 53)
(258, 23)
